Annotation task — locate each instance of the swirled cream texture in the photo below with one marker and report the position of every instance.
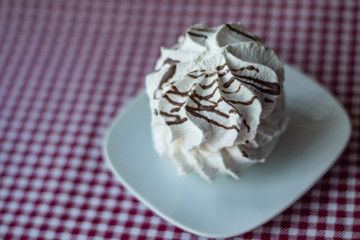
(217, 101)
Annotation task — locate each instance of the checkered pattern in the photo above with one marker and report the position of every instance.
(67, 67)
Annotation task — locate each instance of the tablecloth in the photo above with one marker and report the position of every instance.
(67, 67)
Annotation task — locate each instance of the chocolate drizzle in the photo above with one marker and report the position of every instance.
(206, 97)
(224, 73)
(228, 83)
(241, 102)
(239, 32)
(233, 110)
(169, 74)
(196, 76)
(200, 29)
(237, 90)
(206, 109)
(178, 119)
(266, 87)
(244, 154)
(196, 34)
(175, 91)
(250, 68)
(202, 74)
(172, 101)
(170, 61)
(221, 67)
(175, 110)
(209, 85)
(246, 125)
(210, 74)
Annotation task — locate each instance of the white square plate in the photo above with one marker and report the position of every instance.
(318, 131)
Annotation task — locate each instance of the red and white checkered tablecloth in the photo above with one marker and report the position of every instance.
(67, 67)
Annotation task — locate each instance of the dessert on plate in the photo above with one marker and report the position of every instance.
(217, 100)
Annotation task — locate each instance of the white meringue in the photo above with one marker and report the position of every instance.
(217, 101)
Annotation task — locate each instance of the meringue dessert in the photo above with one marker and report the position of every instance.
(217, 101)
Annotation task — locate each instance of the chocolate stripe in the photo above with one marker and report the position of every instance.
(221, 67)
(246, 125)
(202, 74)
(169, 74)
(170, 61)
(200, 29)
(224, 73)
(233, 110)
(196, 76)
(244, 154)
(228, 83)
(208, 109)
(178, 119)
(243, 103)
(175, 91)
(209, 85)
(266, 87)
(239, 32)
(172, 101)
(175, 110)
(196, 34)
(176, 122)
(250, 68)
(206, 97)
(210, 74)
(197, 96)
(232, 92)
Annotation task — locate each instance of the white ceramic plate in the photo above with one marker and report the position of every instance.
(317, 133)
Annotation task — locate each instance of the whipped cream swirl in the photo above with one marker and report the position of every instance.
(217, 100)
